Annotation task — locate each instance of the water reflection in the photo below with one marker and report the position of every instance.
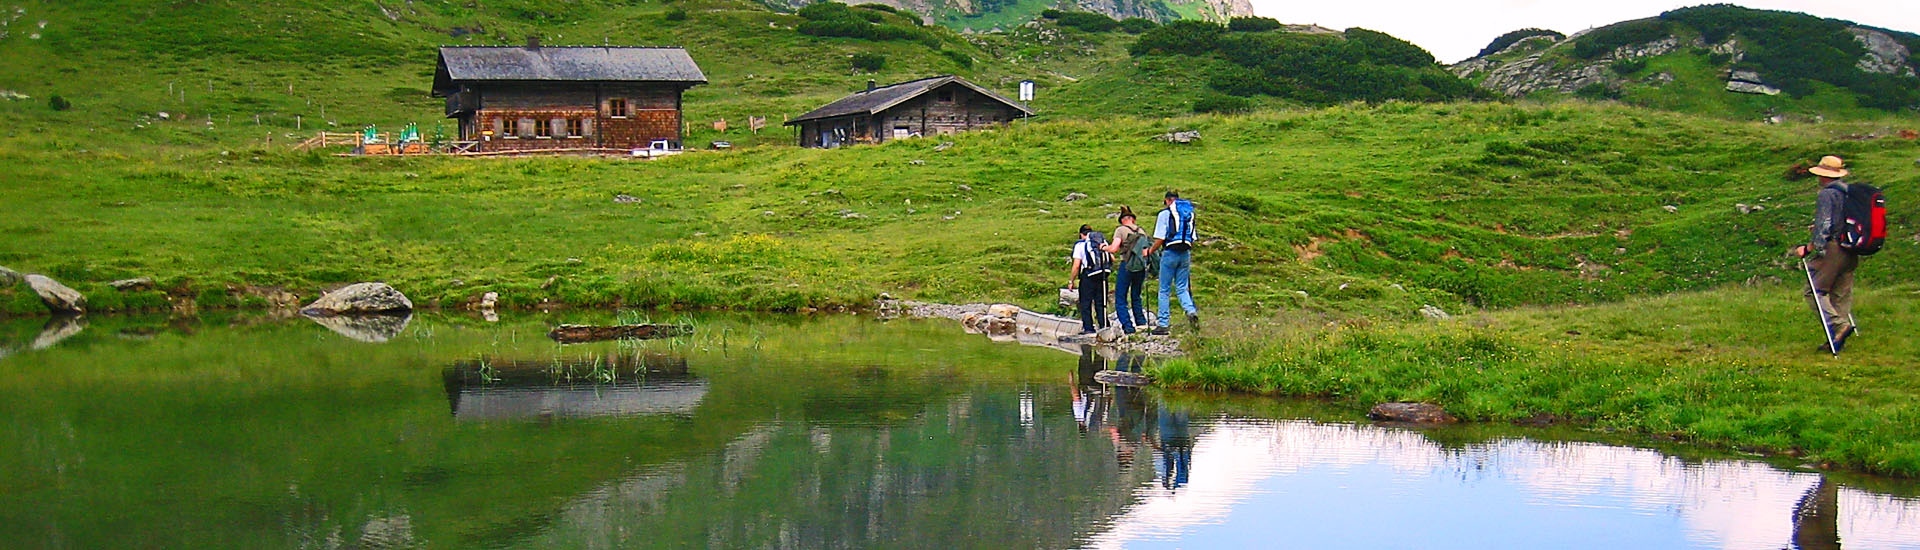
(372, 329)
(610, 384)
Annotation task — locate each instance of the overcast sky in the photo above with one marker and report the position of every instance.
(1456, 29)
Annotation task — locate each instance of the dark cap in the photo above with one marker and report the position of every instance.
(1171, 194)
(1085, 229)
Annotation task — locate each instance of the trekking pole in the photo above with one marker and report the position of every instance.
(1825, 325)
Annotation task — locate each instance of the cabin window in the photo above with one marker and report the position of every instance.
(575, 128)
(946, 96)
(617, 108)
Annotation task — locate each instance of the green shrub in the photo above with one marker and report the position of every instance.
(1086, 21)
(878, 7)
(1597, 91)
(1506, 40)
(959, 58)
(1606, 39)
(676, 14)
(1624, 67)
(1137, 25)
(1382, 48)
(58, 103)
(1253, 24)
(1179, 37)
(869, 62)
(1221, 103)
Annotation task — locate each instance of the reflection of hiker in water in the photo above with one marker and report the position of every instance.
(1126, 419)
(1176, 449)
(1816, 518)
(1087, 406)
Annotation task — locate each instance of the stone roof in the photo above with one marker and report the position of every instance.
(879, 99)
(564, 64)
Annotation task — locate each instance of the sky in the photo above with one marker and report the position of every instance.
(1456, 29)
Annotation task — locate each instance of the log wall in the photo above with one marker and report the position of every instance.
(573, 115)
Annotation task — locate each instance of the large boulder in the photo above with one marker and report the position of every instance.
(360, 298)
(57, 296)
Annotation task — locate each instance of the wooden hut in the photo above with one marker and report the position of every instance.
(929, 106)
(531, 98)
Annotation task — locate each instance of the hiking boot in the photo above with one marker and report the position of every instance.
(1822, 348)
(1159, 331)
(1193, 319)
(1840, 341)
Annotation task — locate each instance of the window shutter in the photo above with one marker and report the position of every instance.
(586, 127)
(526, 127)
(557, 127)
(500, 127)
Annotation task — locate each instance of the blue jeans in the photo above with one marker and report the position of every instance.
(1126, 298)
(1176, 269)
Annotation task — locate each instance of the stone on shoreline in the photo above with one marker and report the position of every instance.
(9, 277)
(58, 297)
(360, 298)
(1414, 413)
(134, 284)
(1123, 378)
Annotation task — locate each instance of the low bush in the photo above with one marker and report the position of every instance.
(1624, 67)
(1221, 103)
(1507, 40)
(869, 62)
(58, 103)
(1358, 65)
(959, 58)
(1253, 24)
(676, 14)
(1086, 21)
(1137, 25)
(1606, 39)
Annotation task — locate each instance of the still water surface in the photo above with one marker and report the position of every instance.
(787, 432)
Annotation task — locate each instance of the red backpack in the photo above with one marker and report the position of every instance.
(1863, 220)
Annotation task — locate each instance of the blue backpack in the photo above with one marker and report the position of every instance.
(1180, 235)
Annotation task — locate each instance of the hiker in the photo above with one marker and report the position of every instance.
(1848, 222)
(1130, 275)
(1173, 233)
(1090, 267)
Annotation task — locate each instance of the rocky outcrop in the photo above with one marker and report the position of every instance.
(1216, 10)
(57, 296)
(9, 277)
(1538, 71)
(1412, 413)
(360, 298)
(1884, 54)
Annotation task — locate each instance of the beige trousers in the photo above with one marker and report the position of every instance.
(1833, 278)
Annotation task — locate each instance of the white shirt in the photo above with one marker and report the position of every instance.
(1083, 251)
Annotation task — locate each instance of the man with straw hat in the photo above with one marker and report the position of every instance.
(1830, 267)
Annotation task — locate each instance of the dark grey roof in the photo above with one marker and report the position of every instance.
(885, 97)
(566, 63)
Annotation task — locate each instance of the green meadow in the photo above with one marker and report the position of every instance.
(1592, 254)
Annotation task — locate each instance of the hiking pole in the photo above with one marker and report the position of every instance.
(1825, 325)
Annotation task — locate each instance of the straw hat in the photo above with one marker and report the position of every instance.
(1830, 166)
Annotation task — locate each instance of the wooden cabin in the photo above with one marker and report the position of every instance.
(531, 98)
(930, 106)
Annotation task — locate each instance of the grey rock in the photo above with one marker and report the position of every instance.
(1745, 76)
(625, 199)
(57, 296)
(1074, 196)
(1671, 209)
(1885, 55)
(9, 277)
(1431, 311)
(489, 300)
(917, 162)
(1660, 79)
(360, 298)
(944, 145)
(130, 285)
(1538, 71)
(372, 329)
(1744, 87)
(1416, 413)
(1069, 297)
(1183, 136)
(964, 187)
(1123, 378)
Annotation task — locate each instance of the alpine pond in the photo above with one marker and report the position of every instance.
(798, 432)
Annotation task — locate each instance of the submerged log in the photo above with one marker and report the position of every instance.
(1414, 413)
(575, 334)
(1122, 378)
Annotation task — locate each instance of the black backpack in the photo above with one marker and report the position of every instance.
(1101, 262)
(1863, 220)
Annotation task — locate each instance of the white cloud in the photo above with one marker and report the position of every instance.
(1457, 30)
